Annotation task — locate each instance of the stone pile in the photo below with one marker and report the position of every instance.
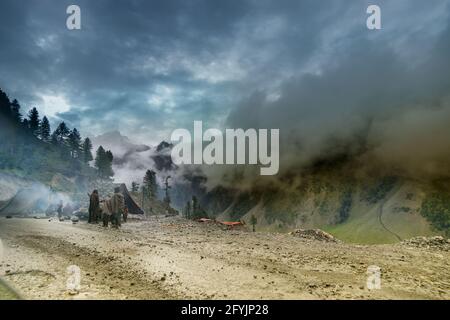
(437, 242)
(314, 234)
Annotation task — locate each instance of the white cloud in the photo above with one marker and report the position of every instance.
(52, 104)
(163, 97)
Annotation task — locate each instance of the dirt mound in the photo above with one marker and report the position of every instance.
(438, 242)
(314, 234)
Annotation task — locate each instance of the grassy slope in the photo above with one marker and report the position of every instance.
(363, 225)
(401, 214)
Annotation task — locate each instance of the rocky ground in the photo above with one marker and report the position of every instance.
(171, 258)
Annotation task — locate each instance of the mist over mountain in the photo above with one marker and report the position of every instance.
(344, 192)
(131, 160)
(389, 112)
(120, 145)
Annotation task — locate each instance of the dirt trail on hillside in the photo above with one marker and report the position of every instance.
(171, 258)
(380, 219)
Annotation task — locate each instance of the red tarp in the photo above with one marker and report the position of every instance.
(231, 224)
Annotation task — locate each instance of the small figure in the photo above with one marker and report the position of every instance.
(59, 209)
(253, 221)
(94, 207)
(106, 212)
(117, 207)
(125, 214)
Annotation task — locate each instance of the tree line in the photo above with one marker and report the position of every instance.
(148, 189)
(193, 210)
(28, 139)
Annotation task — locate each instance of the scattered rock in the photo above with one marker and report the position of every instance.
(75, 219)
(314, 234)
(437, 242)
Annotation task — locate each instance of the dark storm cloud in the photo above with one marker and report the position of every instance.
(123, 54)
(371, 100)
(148, 67)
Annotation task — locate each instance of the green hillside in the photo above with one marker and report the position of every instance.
(353, 207)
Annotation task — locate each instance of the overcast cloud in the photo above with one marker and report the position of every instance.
(310, 68)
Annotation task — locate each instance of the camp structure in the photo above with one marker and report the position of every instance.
(37, 199)
(131, 205)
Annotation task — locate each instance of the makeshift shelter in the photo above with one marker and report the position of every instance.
(38, 199)
(27, 201)
(132, 206)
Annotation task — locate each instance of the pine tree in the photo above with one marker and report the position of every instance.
(87, 150)
(253, 221)
(134, 186)
(19, 136)
(195, 208)
(62, 132)
(167, 199)
(44, 131)
(15, 112)
(10, 122)
(74, 142)
(149, 184)
(100, 160)
(109, 156)
(26, 125)
(103, 162)
(54, 139)
(33, 121)
(60, 139)
(108, 171)
(187, 210)
(5, 106)
(100, 156)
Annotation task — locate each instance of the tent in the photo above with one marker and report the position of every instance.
(132, 206)
(36, 199)
(27, 201)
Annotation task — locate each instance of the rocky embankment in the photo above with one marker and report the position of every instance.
(437, 243)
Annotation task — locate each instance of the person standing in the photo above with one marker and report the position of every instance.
(106, 212)
(59, 210)
(117, 207)
(94, 207)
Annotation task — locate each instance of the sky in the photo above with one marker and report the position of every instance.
(310, 68)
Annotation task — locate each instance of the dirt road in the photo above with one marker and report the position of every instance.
(170, 258)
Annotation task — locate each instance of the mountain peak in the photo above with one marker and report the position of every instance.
(119, 144)
(164, 145)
